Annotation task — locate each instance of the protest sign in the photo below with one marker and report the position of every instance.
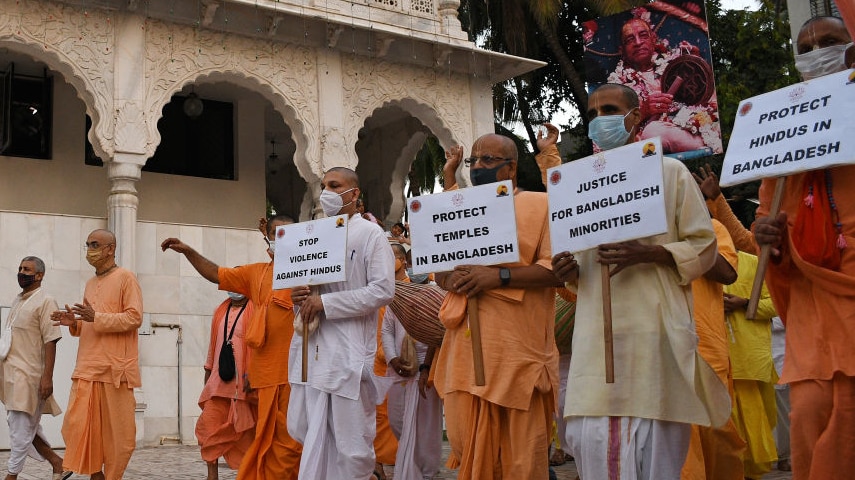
(472, 226)
(310, 253)
(609, 197)
(802, 127)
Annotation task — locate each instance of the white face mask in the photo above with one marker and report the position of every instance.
(822, 61)
(236, 296)
(332, 203)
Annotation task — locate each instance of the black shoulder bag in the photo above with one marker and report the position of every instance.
(227, 353)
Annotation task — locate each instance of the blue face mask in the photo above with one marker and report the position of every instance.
(483, 176)
(608, 131)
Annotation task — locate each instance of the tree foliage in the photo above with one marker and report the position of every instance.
(752, 54)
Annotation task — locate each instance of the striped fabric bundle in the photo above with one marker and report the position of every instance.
(565, 319)
(417, 307)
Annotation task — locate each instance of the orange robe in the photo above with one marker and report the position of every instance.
(385, 443)
(501, 429)
(226, 426)
(273, 453)
(818, 307)
(99, 427)
(714, 453)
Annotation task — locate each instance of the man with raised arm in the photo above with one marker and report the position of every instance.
(273, 453)
(501, 429)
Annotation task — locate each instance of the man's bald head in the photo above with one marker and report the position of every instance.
(507, 146)
(821, 32)
(104, 236)
(346, 176)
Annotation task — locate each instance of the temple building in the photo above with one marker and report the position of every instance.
(190, 118)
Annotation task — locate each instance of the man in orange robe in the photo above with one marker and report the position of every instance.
(273, 453)
(501, 430)
(715, 453)
(811, 277)
(99, 427)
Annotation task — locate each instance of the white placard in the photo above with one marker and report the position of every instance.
(470, 226)
(310, 253)
(805, 126)
(612, 196)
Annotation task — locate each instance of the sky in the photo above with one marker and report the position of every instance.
(740, 4)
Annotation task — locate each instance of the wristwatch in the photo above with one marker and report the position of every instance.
(505, 276)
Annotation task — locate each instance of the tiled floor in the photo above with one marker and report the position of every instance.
(183, 462)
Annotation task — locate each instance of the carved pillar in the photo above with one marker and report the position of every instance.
(335, 151)
(122, 207)
(130, 136)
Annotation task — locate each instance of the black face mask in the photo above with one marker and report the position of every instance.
(25, 280)
(483, 176)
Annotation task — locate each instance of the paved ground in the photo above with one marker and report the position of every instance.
(182, 462)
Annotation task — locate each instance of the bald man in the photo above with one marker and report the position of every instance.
(811, 277)
(639, 426)
(99, 427)
(333, 413)
(501, 430)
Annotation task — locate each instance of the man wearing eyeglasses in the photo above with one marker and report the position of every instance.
(501, 429)
(99, 428)
(273, 453)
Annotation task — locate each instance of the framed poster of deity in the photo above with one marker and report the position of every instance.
(662, 51)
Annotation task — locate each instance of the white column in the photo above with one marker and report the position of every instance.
(122, 205)
(130, 154)
(335, 150)
(130, 135)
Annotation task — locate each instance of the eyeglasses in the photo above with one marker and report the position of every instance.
(487, 161)
(95, 245)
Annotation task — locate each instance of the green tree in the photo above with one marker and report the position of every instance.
(752, 54)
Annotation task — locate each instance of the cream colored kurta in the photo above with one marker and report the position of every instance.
(21, 372)
(658, 372)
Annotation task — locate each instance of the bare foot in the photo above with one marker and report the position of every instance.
(213, 471)
(97, 476)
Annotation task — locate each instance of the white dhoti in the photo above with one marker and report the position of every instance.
(337, 433)
(417, 422)
(628, 448)
(23, 429)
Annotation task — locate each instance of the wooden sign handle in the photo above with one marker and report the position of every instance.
(475, 335)
(608, 338)
(765, 251)
(305, 370)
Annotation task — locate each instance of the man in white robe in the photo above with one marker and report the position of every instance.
(639, 426)
(333, 413)
(416, 420)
